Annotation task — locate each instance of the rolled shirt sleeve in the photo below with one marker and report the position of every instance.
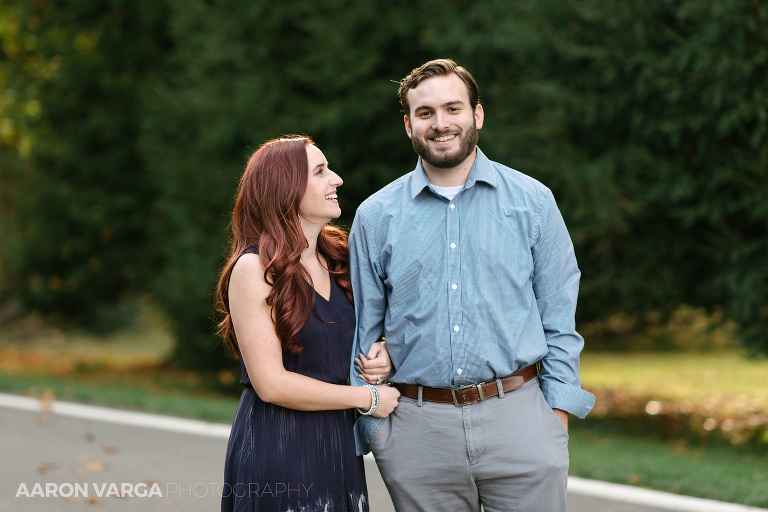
(556, 287)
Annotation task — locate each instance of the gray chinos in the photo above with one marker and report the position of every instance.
(508, 454)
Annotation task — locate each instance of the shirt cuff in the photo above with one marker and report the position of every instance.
(365, 426)
(568, 398)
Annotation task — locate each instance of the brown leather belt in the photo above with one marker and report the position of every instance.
(470, 394)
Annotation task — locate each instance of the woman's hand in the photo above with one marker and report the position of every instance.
(387, 401)
(376, 366)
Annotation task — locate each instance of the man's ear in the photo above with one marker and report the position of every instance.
(479, 116)
(407, 126)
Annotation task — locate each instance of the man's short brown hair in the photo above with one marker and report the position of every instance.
(437, 67)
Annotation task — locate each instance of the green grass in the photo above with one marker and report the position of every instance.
(172, 400)
(679, 453)
(700, 396)
(125, 369)
(678, 375)
(725, 473)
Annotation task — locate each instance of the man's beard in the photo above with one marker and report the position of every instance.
(443, 160)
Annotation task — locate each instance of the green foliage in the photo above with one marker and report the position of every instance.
(78, 225)
(650, 124)
(278, 69)
(662, 110)
(126, 128)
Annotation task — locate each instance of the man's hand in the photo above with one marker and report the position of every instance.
(376, 366)
(563, 417)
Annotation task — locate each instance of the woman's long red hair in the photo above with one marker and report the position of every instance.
(266, 216)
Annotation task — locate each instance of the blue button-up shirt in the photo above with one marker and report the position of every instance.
(468, 290)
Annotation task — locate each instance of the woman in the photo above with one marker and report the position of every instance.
(287, 298)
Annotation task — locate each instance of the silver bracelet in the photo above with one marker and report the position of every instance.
(375, 399)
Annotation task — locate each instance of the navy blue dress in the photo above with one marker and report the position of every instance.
(282, 459)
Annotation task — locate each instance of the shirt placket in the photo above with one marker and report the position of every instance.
(454, 292)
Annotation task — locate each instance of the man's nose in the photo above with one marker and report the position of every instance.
(440, 122)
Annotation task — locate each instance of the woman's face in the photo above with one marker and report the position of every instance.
(319, 204)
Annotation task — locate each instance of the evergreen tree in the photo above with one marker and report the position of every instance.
(78, 236)
(649, 122)
(126, 127)
(236, 81)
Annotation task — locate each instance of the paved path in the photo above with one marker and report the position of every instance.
(164, 464)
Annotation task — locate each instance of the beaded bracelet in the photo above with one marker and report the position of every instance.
(375, 399)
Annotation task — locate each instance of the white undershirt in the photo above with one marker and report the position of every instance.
(447, 192)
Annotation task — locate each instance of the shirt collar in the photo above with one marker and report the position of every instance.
(482, 170)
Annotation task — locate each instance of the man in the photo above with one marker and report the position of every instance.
(467, 268)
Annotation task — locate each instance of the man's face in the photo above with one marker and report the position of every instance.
(441, 123)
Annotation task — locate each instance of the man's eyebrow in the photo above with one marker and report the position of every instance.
(447, 104)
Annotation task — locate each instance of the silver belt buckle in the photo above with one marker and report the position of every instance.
(479, 392)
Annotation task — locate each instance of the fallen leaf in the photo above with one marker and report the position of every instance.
(46, 467)
(95, 467)
(46, 400)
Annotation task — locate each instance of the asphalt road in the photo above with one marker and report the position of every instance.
(136, 468)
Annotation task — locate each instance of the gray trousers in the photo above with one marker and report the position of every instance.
(506, 454)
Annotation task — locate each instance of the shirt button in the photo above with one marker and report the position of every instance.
(453, 206)
(453, 246)
(455, 328)
(458, 371)
(454, 286)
